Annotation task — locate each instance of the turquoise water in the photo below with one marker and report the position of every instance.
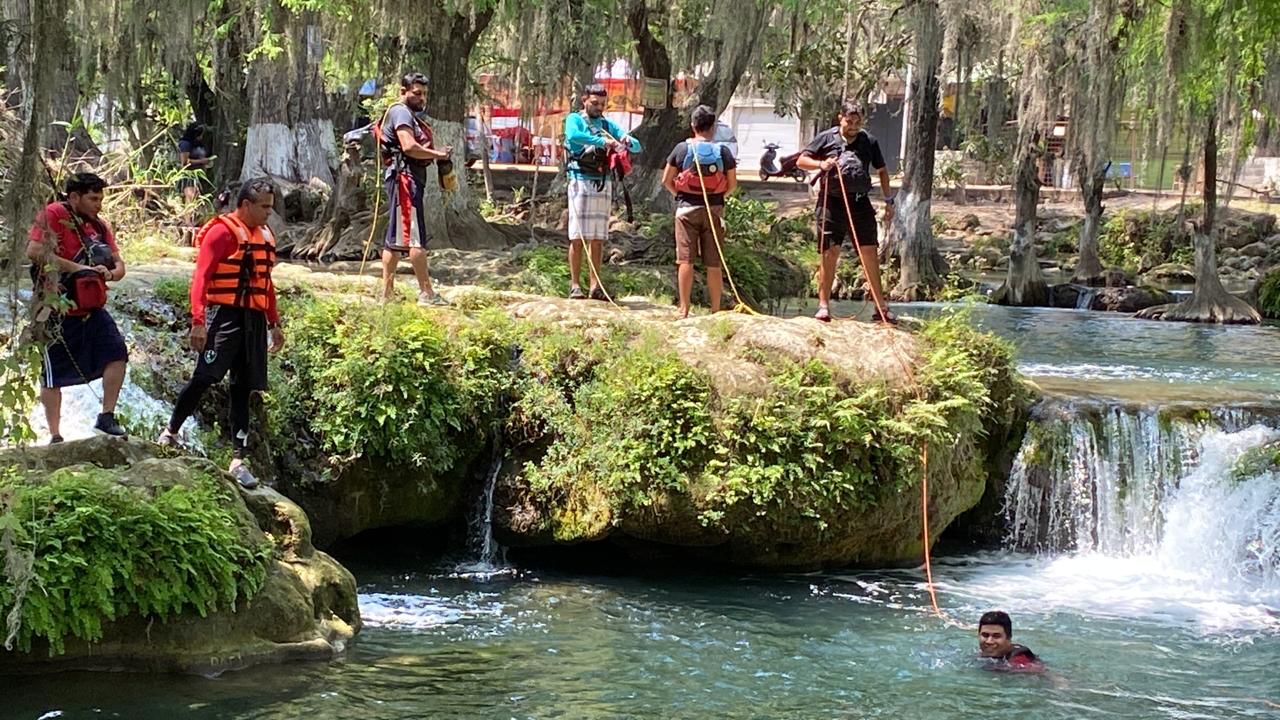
(1176, 624)
(1079, 352)
(545, 645)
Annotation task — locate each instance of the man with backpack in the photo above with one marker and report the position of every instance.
(233, 313)
(699, 173)
(74, 256)
(590, 138)
(407, 149)
(845, 155)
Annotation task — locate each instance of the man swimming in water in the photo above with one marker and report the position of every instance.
(995, 642)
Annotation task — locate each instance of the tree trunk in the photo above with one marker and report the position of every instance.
(221, 101)
(996, 95)
(290, 137)
(444, 56)
(1089, 270)
(1024, 285)
(1210, 302)
(663, 127)
(911, 236)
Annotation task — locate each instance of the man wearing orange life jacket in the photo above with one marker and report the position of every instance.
(699, 173)
(233, 309)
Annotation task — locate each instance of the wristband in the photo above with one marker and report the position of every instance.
(891, 200)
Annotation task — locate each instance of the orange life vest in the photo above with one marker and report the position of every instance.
(242, 279)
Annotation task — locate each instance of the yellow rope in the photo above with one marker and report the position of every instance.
(377, 197)
(724, 262)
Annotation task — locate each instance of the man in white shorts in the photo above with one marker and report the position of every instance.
(589, 137)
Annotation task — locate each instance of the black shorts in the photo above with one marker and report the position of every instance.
(237, 343)
(834, 221)
(83, 348)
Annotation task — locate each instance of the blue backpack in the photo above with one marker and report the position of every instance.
(704, 156)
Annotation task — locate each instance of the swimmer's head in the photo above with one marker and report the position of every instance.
(995, 634)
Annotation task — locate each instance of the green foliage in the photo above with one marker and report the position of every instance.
(748, 270)
(636, 455)
(395, 382)
(1256, 461)
(17, 389)
(807, 447)
(95, 550)
(546, 272)
(1138, 239)
(1269, 295)
(174, 290)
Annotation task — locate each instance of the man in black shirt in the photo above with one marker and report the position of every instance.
(845, 155)
(699, 173)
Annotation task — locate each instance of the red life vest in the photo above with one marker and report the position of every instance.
(242, 279)
(702, 169)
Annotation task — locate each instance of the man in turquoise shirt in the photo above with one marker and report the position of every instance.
(588, 137)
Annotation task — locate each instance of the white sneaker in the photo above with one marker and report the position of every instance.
(168, 439)
(424, 299)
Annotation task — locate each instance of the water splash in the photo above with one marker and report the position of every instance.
(1143, 512)
(138, 409)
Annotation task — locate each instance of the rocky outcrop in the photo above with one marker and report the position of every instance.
(764, 465)
(291, 602)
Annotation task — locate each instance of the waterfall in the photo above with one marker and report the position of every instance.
(1084, 301)
(483, 547)
(1191, 492)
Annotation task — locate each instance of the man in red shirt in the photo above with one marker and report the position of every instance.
(233, 310)
(75, 256)
(995, 642)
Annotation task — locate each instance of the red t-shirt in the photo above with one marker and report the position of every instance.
(218, 244)
(56, 221)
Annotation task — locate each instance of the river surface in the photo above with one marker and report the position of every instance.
(1162, 602)
(862, 645)
(1081, 352)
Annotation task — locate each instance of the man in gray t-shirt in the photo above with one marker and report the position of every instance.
(407, 148)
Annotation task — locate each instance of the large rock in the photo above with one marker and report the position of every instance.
(711, 449)
(305, 608)
(1129, 299)
(1171, 272)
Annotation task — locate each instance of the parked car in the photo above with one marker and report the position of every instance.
(725, 136)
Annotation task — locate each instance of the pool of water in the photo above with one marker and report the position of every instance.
(1079, 352)
(544, 645)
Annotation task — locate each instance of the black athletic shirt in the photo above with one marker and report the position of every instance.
(830, 143)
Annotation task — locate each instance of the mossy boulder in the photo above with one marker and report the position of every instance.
(116, 559)
(752, 441)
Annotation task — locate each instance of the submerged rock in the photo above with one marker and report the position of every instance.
(184, 571)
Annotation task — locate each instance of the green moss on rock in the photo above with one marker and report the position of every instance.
(116, 559)
(1269, 295)
(806, 468)
(88, 545)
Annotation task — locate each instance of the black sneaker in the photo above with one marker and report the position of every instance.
(55, 439)
(107, 424)
(597, 293)
(887, 317)
(575, 293)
